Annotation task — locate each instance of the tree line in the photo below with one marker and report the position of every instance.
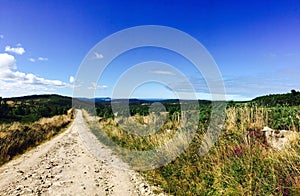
(288, 99)
(29, 110)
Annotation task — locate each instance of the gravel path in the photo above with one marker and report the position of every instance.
(66, 165)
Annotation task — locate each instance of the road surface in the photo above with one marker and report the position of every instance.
(66, 165)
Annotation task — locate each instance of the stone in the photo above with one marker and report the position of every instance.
(277, 139)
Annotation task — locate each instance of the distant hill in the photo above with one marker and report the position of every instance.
(51, 99)
(287, 99)
(31, 108)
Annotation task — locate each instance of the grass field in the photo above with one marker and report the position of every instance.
(240, 163)
(16, 138)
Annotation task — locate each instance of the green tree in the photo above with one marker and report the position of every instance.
(4, 108)
(230, 103)
(294, 92)
(44, 111)
(19, 110)
(294, 97)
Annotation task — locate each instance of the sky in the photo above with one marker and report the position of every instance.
(255, 45)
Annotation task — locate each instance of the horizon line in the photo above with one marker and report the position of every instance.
(107, 97)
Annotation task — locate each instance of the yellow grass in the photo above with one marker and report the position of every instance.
(15, 138)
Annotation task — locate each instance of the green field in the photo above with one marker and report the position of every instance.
(240, 163)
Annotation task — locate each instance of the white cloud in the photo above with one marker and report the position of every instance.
(18, 50)
(38, 59)
(163, 72)
(31, 59)
(98, 55)
(32, 79)
(1, 36)
(7, 61)
(94, 86)
(72, 79)
(15, 83)
(42, 59)
(18, 89)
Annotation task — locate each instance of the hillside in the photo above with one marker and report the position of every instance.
(272, 100)
(32, 108)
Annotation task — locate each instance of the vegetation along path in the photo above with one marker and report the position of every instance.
(65, 166)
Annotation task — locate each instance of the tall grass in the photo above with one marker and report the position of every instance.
(240, 163)
(15, 138)
(281, 117)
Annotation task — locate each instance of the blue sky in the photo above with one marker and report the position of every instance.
(256, 44)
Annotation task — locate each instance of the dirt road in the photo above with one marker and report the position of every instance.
(66, 165)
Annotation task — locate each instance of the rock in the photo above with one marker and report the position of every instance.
(277, 139)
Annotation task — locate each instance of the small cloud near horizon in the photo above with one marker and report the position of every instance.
(72, 79)
(95, 86)
(162, 72)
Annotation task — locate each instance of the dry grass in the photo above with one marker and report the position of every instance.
(240, 163)
(16, 138)
(241, 118)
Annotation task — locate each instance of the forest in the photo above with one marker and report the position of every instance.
(32, 108)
